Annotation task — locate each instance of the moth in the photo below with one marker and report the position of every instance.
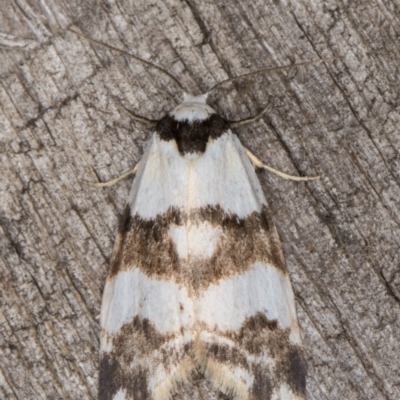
(198, 298)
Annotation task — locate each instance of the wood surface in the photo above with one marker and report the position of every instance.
(61, 124)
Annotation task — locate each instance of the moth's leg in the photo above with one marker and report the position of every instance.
(257, 163)
(116, 180)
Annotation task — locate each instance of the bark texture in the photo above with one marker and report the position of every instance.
(61, 124)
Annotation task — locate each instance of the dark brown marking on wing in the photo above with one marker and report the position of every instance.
(263, 383)
(259, 347)
(137, 349)
(146, 244)
(119, 245)
(294, 368)
(266, 342)
(274, 359)
(113, 377)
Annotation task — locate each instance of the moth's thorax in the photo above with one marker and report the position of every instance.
(192, 125)
(192, 108)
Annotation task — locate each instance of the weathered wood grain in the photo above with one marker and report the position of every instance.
(60, 124)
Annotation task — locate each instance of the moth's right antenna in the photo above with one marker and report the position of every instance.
(149, 64)
(322, 60)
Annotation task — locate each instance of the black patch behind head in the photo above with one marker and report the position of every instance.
(191, 137)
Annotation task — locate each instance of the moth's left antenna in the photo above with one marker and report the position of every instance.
(149, 64)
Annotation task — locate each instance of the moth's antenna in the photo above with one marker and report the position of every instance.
(149, 64)
(275, 69)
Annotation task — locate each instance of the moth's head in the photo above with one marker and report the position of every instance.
(192, 108)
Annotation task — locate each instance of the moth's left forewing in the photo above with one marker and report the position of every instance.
(146, 311)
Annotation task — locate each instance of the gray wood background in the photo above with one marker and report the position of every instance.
(60, 124)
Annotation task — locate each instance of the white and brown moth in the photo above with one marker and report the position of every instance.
(198, 287)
